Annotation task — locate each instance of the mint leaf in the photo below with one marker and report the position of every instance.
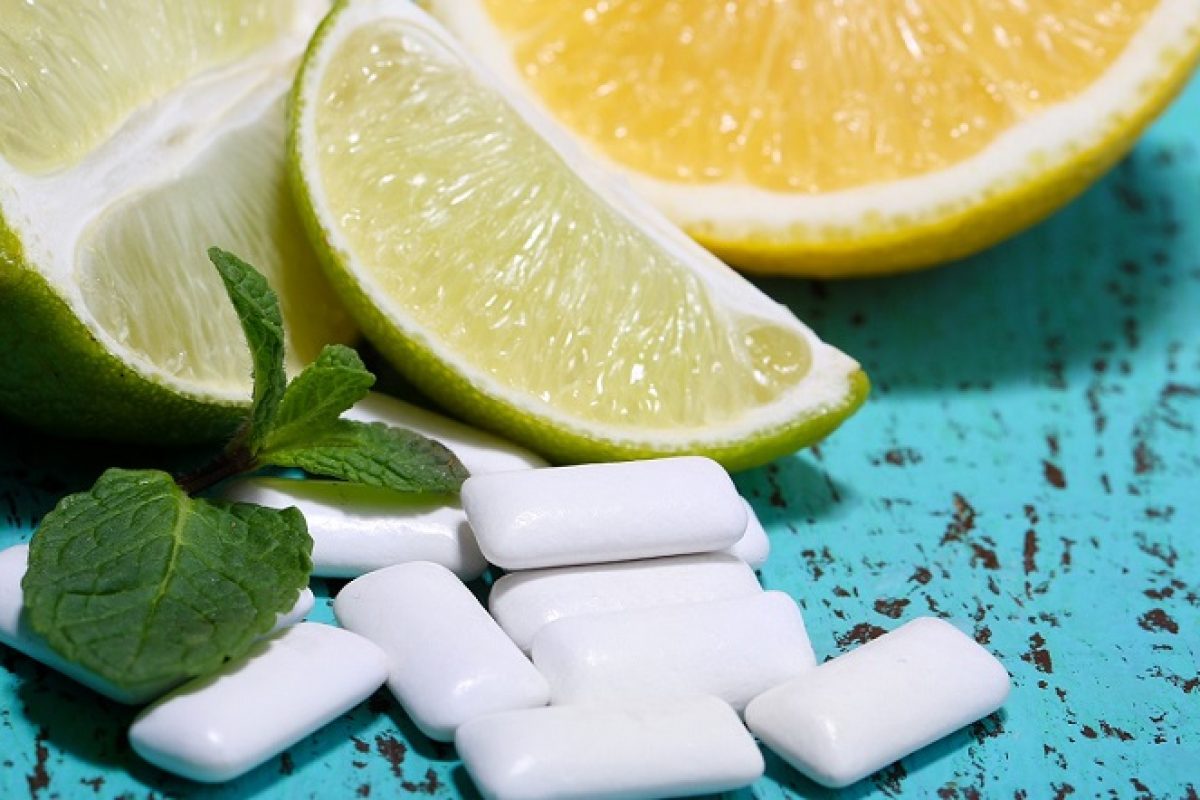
(315, 397)
(373, 454)
(143, 585)
(297, 425)
(257, 308)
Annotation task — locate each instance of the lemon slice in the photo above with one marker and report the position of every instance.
(518, 284)
(122, 159)
(829, 137)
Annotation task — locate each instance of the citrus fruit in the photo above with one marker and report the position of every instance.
(845, 137)
(521, 287)
(123, 157)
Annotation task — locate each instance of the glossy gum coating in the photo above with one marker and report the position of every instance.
(604, 512)
(359, 529)
(754, 547)
(733, 649)
(449, 661)
(860, 712)
(223, 725)
(693, 746)
(15, 632)
(523, 602)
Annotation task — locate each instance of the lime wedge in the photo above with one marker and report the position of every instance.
(521, 287)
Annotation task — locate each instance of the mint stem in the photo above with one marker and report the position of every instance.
(228, 464)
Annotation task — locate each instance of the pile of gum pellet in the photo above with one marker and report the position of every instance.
(629, 650)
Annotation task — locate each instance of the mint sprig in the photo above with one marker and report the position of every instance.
(297, 424)
(146, 585)
(373, 454)
(331, 384)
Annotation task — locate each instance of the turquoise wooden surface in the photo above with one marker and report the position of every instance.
(1028, 467)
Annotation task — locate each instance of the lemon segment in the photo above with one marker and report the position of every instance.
(511, 280)
(756, 92)
(849, 137)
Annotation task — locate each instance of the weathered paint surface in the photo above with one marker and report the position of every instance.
(1028, 467)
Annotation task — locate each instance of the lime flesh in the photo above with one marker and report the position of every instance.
(514, 285)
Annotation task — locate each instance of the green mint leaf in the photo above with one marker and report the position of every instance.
(257, 308)
(373, 454)
(331, 384)
(144, 585)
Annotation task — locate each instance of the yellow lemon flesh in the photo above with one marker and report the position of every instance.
(122, 159)
(847, 137)
(517, 284)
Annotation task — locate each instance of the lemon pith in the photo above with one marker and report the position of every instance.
(845, 138)
(492, 269)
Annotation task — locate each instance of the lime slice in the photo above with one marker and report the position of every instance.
(521, 287)
(122, 159)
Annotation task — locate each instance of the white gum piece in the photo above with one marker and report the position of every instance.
(215, 728)
(689, 747)
(479, 452)
(733, 649)
(858, 713)
(524, 602)
(449, 660)
(302, 608)
(16, 633)
(754, 547)
(596, 513)
(359, 529)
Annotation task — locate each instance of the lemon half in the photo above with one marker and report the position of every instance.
(844, 137)
(518, 284)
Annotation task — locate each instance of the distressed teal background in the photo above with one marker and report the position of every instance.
(1028, 467)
